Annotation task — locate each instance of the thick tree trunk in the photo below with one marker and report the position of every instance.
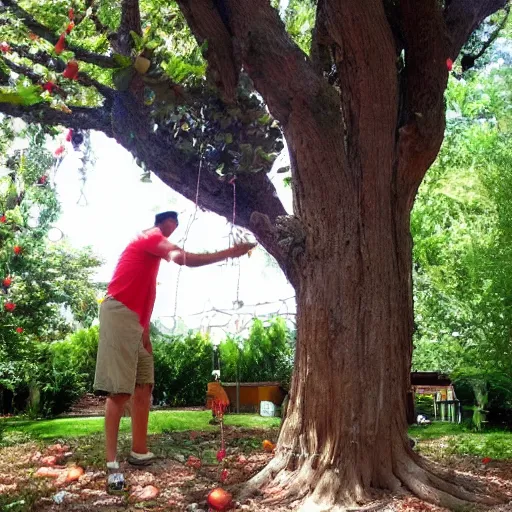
(345, 432)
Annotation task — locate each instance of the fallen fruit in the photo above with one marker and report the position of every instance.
(268, 446)
(150, 492)
(219, 499)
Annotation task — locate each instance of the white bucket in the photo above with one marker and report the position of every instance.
(267, 409)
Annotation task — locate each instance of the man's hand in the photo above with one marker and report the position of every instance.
(241, 249)
(146, 342)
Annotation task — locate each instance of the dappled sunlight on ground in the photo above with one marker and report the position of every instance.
(173, 484)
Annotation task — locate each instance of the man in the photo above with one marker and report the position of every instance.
(124, 366)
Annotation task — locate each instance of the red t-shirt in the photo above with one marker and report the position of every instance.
(134, 280)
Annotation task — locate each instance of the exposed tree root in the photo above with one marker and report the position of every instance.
(322, 488)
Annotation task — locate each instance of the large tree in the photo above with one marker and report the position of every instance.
(362, 112)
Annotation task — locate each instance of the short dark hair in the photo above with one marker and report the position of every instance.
(161, 217)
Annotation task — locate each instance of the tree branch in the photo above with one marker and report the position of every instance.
(212, 25)
(321, 43)
(58, 65)
(464, 16)
(426, 76)
(21, 70)
(468, 61)
(130, 22)
(254, 191)
(281, 71)
(80, 118)
(37, 28)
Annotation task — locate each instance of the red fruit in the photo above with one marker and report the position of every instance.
(223, 475)
(19, 330)
(17, 249)
(3, 219)
(7, 281)
(59, 151)
(70, 27)
(268, 446)
(71, 14)
(69, 135)
(49, 86)
(61, 44)
(221, 454)
(71, 70)
(486, 460)
(10, 306)
(4, 47)
(449, 64)
(219, 499)
(42, 180)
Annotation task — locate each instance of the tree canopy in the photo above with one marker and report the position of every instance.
(40, 279)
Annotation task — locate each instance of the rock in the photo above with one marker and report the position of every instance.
(179, 457)
(61, 496)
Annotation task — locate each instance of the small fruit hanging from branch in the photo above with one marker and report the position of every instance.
(10, 306)
(71, 70)
(61, 44)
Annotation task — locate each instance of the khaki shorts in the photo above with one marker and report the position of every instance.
(122, 359)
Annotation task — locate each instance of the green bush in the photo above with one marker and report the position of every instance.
(183, 368)
(267, 355)
(66, 372)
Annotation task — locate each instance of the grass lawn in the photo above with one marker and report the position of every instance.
(454, 439)
(159, 422)
(459, 440)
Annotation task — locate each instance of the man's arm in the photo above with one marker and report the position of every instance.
(189, 259)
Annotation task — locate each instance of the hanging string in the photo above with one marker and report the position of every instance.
(185, 237)
(233, 237)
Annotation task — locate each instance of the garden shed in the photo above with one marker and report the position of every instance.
(251, 394)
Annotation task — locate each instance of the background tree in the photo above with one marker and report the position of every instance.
(362, 111)
(40, 279)
(461, 224)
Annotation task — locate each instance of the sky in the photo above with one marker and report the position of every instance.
(118, 205)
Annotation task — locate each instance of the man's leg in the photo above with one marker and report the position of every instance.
(140, 416)
(113, 412)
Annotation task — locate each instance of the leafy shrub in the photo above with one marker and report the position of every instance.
(183, 367)
(66, 371)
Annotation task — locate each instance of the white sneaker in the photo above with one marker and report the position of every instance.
(115, 480)
(141, 459)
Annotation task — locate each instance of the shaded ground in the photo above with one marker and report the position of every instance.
(182, 487)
